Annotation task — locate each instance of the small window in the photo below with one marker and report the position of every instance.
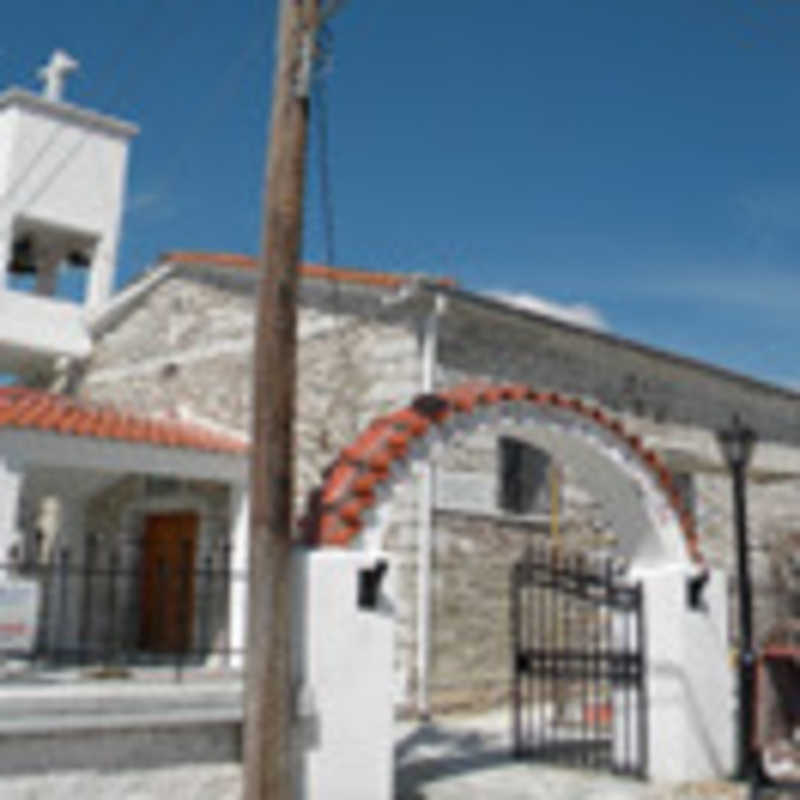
(523, 477)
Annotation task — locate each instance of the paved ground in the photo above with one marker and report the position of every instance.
(222, 782)
(459, 759)
(452, 759)
(467, 758)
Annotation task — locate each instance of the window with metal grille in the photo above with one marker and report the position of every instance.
(523, 477)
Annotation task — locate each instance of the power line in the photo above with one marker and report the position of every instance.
(134, 42)
(323, 153)
(222, 93)
(226, 89)
(331, 7)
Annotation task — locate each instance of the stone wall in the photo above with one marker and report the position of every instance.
(470, 610)
(481, 340)
(186, 351)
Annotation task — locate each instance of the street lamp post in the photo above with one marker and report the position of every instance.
(737, 443)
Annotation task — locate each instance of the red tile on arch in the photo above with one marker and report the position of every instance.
(411, 420)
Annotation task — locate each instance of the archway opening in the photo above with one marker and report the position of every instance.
(368, 496)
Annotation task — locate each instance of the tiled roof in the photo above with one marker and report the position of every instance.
(31, 409)
(351, 484)
(387, 280)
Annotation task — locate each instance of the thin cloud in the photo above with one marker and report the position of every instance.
(150, 203)
(577, 314)
(776, 208)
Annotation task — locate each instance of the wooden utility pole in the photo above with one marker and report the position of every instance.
(267, 702)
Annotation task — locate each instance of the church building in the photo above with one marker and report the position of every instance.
(125, 419)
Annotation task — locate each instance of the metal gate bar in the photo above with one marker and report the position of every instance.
(578, 663)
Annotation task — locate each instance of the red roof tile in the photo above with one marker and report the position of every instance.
(387, 280)
(31, 409)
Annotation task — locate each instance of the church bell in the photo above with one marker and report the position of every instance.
(22, 258)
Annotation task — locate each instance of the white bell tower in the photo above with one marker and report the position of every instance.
(62, 183)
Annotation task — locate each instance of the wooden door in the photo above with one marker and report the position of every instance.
(167, 582)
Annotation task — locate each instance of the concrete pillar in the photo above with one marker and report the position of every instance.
(689, 681)
(237, 593)
(100, 281)
(68, 585)
(11, 479)
(342, 664)
(47, 275)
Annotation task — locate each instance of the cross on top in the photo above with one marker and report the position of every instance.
(54, 73)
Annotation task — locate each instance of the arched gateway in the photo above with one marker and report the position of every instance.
(630, 480)
(347, 629)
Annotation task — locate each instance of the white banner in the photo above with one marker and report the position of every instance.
(19, 608)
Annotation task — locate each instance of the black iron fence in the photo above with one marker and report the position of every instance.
(117, 606)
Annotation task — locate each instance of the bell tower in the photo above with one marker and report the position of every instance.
(62, 183)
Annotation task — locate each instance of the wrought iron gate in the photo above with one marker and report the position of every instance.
(578, 663)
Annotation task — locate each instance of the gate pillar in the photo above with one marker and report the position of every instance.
(689, 681)
(343, 675)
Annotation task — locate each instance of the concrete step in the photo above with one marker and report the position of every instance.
(111, 698)
(118, 724)
(117, 743)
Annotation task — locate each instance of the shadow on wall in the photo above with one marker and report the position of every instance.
(701, 728)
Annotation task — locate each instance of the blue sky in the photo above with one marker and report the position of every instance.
(637, 158)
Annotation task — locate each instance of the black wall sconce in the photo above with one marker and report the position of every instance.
(695, 587)
(369, 584)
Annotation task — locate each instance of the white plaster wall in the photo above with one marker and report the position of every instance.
(343, 680)
(8, 122)
(77, 180)
(689, 679)
(66, 173)
(710, 741)
(48, 449)
(33, 327)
